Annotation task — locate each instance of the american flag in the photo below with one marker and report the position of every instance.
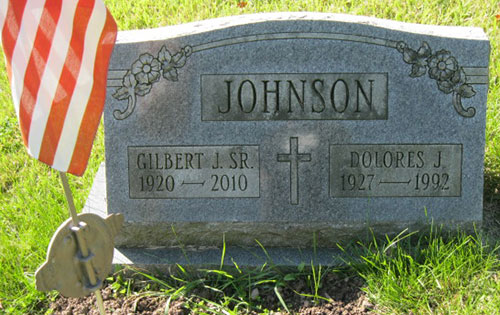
(57, 54)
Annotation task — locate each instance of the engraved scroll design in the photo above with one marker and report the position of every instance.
(146, 71)
(442, 67)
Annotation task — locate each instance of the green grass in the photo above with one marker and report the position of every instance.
(454, 276)
(432, 274)
(402, 275)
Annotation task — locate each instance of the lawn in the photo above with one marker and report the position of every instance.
(457, 275)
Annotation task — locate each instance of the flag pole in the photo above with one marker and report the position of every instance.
(82, 244)
(69, 199)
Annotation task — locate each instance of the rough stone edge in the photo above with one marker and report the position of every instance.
(166, 259)
(274, 234)
(166, 32)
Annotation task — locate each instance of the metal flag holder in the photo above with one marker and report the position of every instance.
(80, 253)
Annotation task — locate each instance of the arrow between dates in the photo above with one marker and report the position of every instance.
(407, 183)
(187, 183)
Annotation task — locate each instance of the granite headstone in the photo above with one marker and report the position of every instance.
(292, 129)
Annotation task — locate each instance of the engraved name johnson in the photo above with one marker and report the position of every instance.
(310, 96)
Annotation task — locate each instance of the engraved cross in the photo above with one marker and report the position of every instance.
(294, 157)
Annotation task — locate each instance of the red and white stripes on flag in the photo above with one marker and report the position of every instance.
(57, 54)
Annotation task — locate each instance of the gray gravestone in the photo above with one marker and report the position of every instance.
(291, 129)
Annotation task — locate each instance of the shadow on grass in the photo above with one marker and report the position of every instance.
(491, 184)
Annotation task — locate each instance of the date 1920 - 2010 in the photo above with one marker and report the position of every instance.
(217, 182)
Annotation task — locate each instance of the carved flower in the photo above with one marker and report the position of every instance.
(442, 66)
(146, 69)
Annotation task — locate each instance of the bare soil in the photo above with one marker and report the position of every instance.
(344, 294)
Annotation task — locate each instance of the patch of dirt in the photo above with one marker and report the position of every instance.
(344, 297)
(113, 305)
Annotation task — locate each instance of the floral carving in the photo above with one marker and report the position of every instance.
(442, 67)
(418, 59)
(170, 63)
(145, 71)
